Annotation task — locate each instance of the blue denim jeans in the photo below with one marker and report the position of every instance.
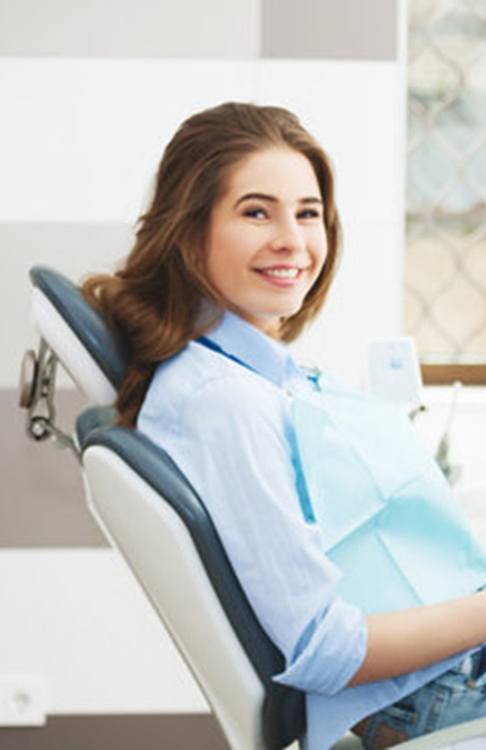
(456, 696)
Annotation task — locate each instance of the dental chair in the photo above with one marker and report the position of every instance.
(152, 516)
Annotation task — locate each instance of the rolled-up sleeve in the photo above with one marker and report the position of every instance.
(330, 651)
(230, 439)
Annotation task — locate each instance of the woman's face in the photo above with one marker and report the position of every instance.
(266, 241)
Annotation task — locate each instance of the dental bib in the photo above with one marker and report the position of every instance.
(388, 518)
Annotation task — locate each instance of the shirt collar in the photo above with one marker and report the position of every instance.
(241, 340)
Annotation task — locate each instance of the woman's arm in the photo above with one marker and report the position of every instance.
(400, 642)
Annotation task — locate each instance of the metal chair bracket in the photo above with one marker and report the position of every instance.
(37, 392)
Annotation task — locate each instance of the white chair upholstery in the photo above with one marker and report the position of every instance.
(468, 736)
(159, 550)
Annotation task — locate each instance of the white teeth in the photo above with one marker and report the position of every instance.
(281, 273)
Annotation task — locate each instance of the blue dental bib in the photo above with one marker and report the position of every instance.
(388, 518)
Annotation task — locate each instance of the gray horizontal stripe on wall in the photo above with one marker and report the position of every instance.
(150, 732)
(42, 502)
(330, 29)
(130, 28)
(72, 249)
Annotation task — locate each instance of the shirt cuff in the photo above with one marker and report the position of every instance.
(330, 652)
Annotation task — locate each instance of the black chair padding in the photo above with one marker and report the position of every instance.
(102, 343)
(284, 708)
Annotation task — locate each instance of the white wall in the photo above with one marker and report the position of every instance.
(80, 621)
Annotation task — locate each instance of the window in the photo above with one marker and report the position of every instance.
(446, 188)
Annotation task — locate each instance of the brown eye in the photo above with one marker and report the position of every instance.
(255, 213)
(309, 213)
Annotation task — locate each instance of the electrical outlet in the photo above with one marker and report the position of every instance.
(22, 701)
(394, 370)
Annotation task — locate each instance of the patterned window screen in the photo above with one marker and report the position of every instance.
(446, 181)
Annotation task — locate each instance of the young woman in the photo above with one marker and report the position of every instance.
(234, 256)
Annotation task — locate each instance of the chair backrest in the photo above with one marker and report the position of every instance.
(151, 514)
(93, 355)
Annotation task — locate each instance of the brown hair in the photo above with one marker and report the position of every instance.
(154, 299)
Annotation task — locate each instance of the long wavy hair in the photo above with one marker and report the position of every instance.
(154, 299)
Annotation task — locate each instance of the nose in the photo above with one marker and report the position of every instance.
(288, 237)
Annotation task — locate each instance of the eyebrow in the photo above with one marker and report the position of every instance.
(273, 199)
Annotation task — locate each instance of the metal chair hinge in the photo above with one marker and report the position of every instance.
(37, 390)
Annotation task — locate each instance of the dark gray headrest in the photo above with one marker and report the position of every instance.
(102, 343)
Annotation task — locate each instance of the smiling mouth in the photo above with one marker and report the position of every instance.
(280, 272)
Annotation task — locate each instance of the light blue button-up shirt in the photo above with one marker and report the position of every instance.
(222, 412)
